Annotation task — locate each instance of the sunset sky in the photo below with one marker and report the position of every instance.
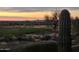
(31, 13)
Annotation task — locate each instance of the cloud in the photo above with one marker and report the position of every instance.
(34, 9)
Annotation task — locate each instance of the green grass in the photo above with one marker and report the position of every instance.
(25, 31)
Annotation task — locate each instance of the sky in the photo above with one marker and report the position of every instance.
(32, 13)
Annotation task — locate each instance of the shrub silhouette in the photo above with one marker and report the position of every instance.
(38, 47)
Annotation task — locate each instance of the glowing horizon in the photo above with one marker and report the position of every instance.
(24, 16)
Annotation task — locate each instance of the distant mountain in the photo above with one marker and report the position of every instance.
(5, 18)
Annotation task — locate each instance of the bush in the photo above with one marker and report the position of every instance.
(48, 47)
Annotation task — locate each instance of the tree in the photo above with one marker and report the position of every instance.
(76, 25)
(47, 20)
(55, 21)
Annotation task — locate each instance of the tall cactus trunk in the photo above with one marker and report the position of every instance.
(64, 44)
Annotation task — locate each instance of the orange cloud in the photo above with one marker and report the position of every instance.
(36, 15)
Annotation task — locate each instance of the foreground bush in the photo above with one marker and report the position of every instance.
(42, 47)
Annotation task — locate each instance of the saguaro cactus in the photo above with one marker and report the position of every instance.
(64, 31)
